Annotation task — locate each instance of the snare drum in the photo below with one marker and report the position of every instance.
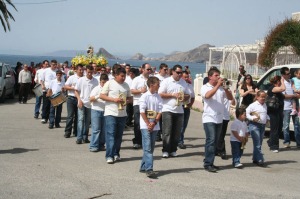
(38, 90)
(58, 99)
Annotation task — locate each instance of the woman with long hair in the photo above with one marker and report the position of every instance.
(248, 91)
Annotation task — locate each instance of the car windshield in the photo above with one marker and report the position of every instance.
(0, 71)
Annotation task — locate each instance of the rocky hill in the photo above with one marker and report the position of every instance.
(106, 54)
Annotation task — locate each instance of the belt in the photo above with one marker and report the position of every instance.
(72, 97)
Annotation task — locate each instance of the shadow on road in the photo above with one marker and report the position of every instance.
(16, 150)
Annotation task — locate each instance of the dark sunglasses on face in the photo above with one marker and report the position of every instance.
(148, 69)
(178, 72)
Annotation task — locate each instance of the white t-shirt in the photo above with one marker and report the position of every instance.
(138, 83)
(56, 86)
(128, 80)
(240, 127)
(149, 101)
(191, 92)
(288, 91)
(37, 76)
(161, 78)
(213, 110)
(48, 76)
(260, 109)
(226, 109)
(112, 89)
(72, 81)
(169, 85)
(99, 104)
(97, 77)
(85, 86)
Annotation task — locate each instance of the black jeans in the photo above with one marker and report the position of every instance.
(45, 107)
(24, 91)
(137, 131)
(171, 127)
(129, 110)
(221, 140)
(72, 116)
(276, 123)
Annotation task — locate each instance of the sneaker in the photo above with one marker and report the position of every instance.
(109, 161)
(223, 156)
(85, 141)
(102, 148)
(78, 141)
(173, 154)
(275, 151)
(43, 121)
(94, 150)
(117, 158)
(165, 155)
(136, 146)
(294, 112)
(67, 135)
(181, 146)
(259, 163)
(36, 116)
(50, 127)
(150, 174)
(238, 165)
(210, 169)
(287, 145)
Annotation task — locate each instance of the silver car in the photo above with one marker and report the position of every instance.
(7, 82)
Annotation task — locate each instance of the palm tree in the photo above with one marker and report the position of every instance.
(6, 15)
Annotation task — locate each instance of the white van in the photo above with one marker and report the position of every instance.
(7, 82)
(264, 81)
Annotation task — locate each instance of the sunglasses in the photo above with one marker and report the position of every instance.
(166, 69)
(148, 69)
(178, 72)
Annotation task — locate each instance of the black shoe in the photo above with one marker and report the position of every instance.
(102, 148)
(67, 135)
(50, 127)
(85, 141)
(142, 171)
(181, 146)
(78, 141)
(224, 156)
(216, 167)
(57, 126)
(36, 116)
(259, 163)
(210, 169)
(150, 174)
(136, 146)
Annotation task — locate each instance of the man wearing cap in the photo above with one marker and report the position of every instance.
(55, 87)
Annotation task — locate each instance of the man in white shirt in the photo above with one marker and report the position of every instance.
(115, 93)
(72, 109)
(129, 106)
(186, 108)
(96, 73)
(55, 86)
(289, 95)
(213, 96)
(83, 90)
(138, 87)
(25, 82)
(97, 117)
(173, 91)
(163, 74)
(47, 76)
(38, 99)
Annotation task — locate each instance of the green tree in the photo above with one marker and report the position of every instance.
(5, 15)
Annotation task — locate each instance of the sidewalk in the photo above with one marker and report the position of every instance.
(37, 162)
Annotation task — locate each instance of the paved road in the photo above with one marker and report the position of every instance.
(36, 162)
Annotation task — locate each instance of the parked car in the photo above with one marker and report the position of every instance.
(7, 82)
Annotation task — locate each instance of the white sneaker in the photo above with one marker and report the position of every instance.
(286, 146)
(43, 120)
(165, 155)
(109, 161)
(239, 165)
(173, 154)
(275, 151)
(117, 158)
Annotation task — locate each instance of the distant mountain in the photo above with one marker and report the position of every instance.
(65, 53)
(199, 54)
(155, 55)
(106, 54)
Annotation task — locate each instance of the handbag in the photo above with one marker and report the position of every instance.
(272, 102)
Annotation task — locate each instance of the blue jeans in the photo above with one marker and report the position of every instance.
(84, 119)
(257, 132)
(148, 139)
(38, 101)
(212, 133)
(236, 151)
(286, 128)
(72, 116)
(113, 135)
(186, 117)
(55, 115)
(98, 129)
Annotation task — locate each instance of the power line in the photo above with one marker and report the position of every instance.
(45, 2)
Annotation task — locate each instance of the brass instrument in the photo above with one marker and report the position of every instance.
(180, 98)
(244, 141)
(151, 114)
(122, 104)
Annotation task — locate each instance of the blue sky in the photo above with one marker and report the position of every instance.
(145, 26)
